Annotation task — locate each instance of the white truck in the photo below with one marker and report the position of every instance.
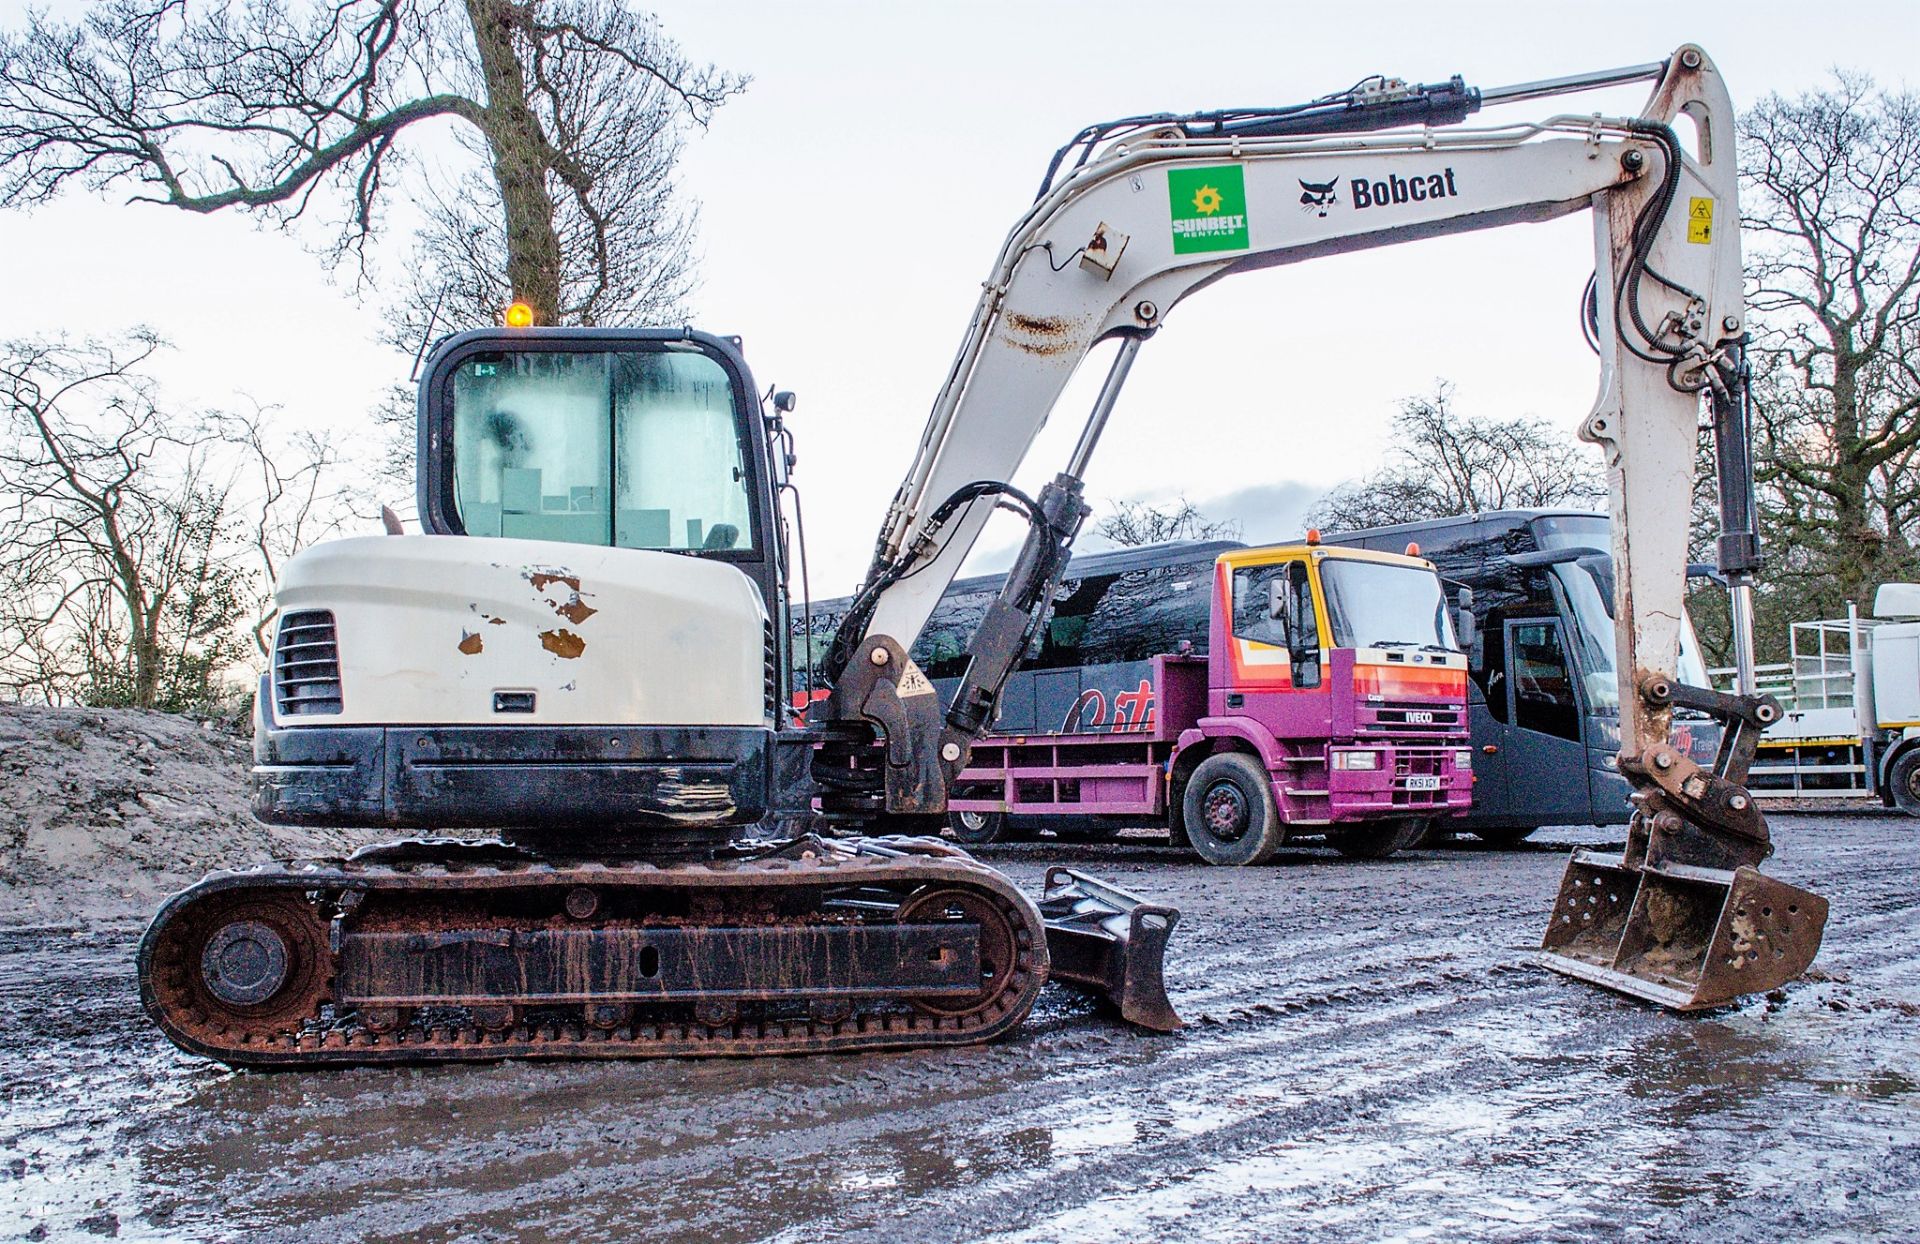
(1851, 691)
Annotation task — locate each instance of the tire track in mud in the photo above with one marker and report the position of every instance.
(1045, 1096)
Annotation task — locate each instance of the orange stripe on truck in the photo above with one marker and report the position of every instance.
(1396, 682)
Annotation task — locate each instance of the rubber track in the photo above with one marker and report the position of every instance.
(882, 1025)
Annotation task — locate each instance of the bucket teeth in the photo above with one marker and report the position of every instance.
(1685, 937)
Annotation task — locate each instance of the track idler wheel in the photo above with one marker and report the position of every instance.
(608, 1016)
(999, 945)
(385, 1019)
(250, 970)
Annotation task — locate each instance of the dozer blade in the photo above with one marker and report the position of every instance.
(1685, 937)
(1111, 943)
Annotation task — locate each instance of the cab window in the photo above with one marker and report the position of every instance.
(1253, 588)
(639, 449)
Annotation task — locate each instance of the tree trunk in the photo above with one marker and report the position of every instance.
(520, 160)
(143, 686)
(1857, 543)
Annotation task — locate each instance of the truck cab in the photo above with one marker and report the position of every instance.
(1340, 668)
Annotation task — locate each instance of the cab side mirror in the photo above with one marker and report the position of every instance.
(1277, 598)
(1467, 627)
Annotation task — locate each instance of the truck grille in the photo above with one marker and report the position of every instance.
(306, 665)
(1390, 718)
(1422, 763)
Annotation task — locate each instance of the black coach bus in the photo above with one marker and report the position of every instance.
(1543, 696)
(1111, 609)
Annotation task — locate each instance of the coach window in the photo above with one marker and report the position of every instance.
(1149, 612)
(1492, 672)
(941, 650)
(1543, 697)
(1061, 638)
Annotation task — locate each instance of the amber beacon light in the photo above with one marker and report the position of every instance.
(519, 315)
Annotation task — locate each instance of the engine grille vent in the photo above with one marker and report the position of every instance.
(772, 674)
(306, 665)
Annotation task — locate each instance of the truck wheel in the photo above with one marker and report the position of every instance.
(1228, 811)
(1376, 840)
(978, 828)
(1506, 835)
(1903, 781)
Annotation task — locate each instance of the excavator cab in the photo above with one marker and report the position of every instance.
(646, 440)
(531, 678)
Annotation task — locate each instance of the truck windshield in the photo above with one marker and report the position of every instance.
(1591, 604)
(1382, 605)
(640, 449)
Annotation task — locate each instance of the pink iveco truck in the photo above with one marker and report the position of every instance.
(1241, 697)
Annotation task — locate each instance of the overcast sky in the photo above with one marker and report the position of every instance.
(854, 197)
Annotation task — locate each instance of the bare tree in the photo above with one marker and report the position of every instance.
(294, 498)
(114, 587)
(1136, 522)
(1444, 464)
(574, 109)
(138, 544)
(1832, 217)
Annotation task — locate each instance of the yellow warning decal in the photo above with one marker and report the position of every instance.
(1700, 220)
(913, 682)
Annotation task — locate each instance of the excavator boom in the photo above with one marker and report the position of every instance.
(1169, 205)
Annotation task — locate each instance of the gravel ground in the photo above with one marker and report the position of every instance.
(1371, 1053)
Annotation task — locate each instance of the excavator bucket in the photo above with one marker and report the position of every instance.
(1683, 917)
(1111, 943)
(1685, 937)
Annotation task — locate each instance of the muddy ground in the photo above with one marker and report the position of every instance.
(1371, 1054)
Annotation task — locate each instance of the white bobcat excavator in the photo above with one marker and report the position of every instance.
(594, 673)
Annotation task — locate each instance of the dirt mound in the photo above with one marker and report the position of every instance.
(106, 811)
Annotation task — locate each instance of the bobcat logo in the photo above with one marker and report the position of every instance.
(1318, 196)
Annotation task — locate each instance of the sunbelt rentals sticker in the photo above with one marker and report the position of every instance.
(1209, 209)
